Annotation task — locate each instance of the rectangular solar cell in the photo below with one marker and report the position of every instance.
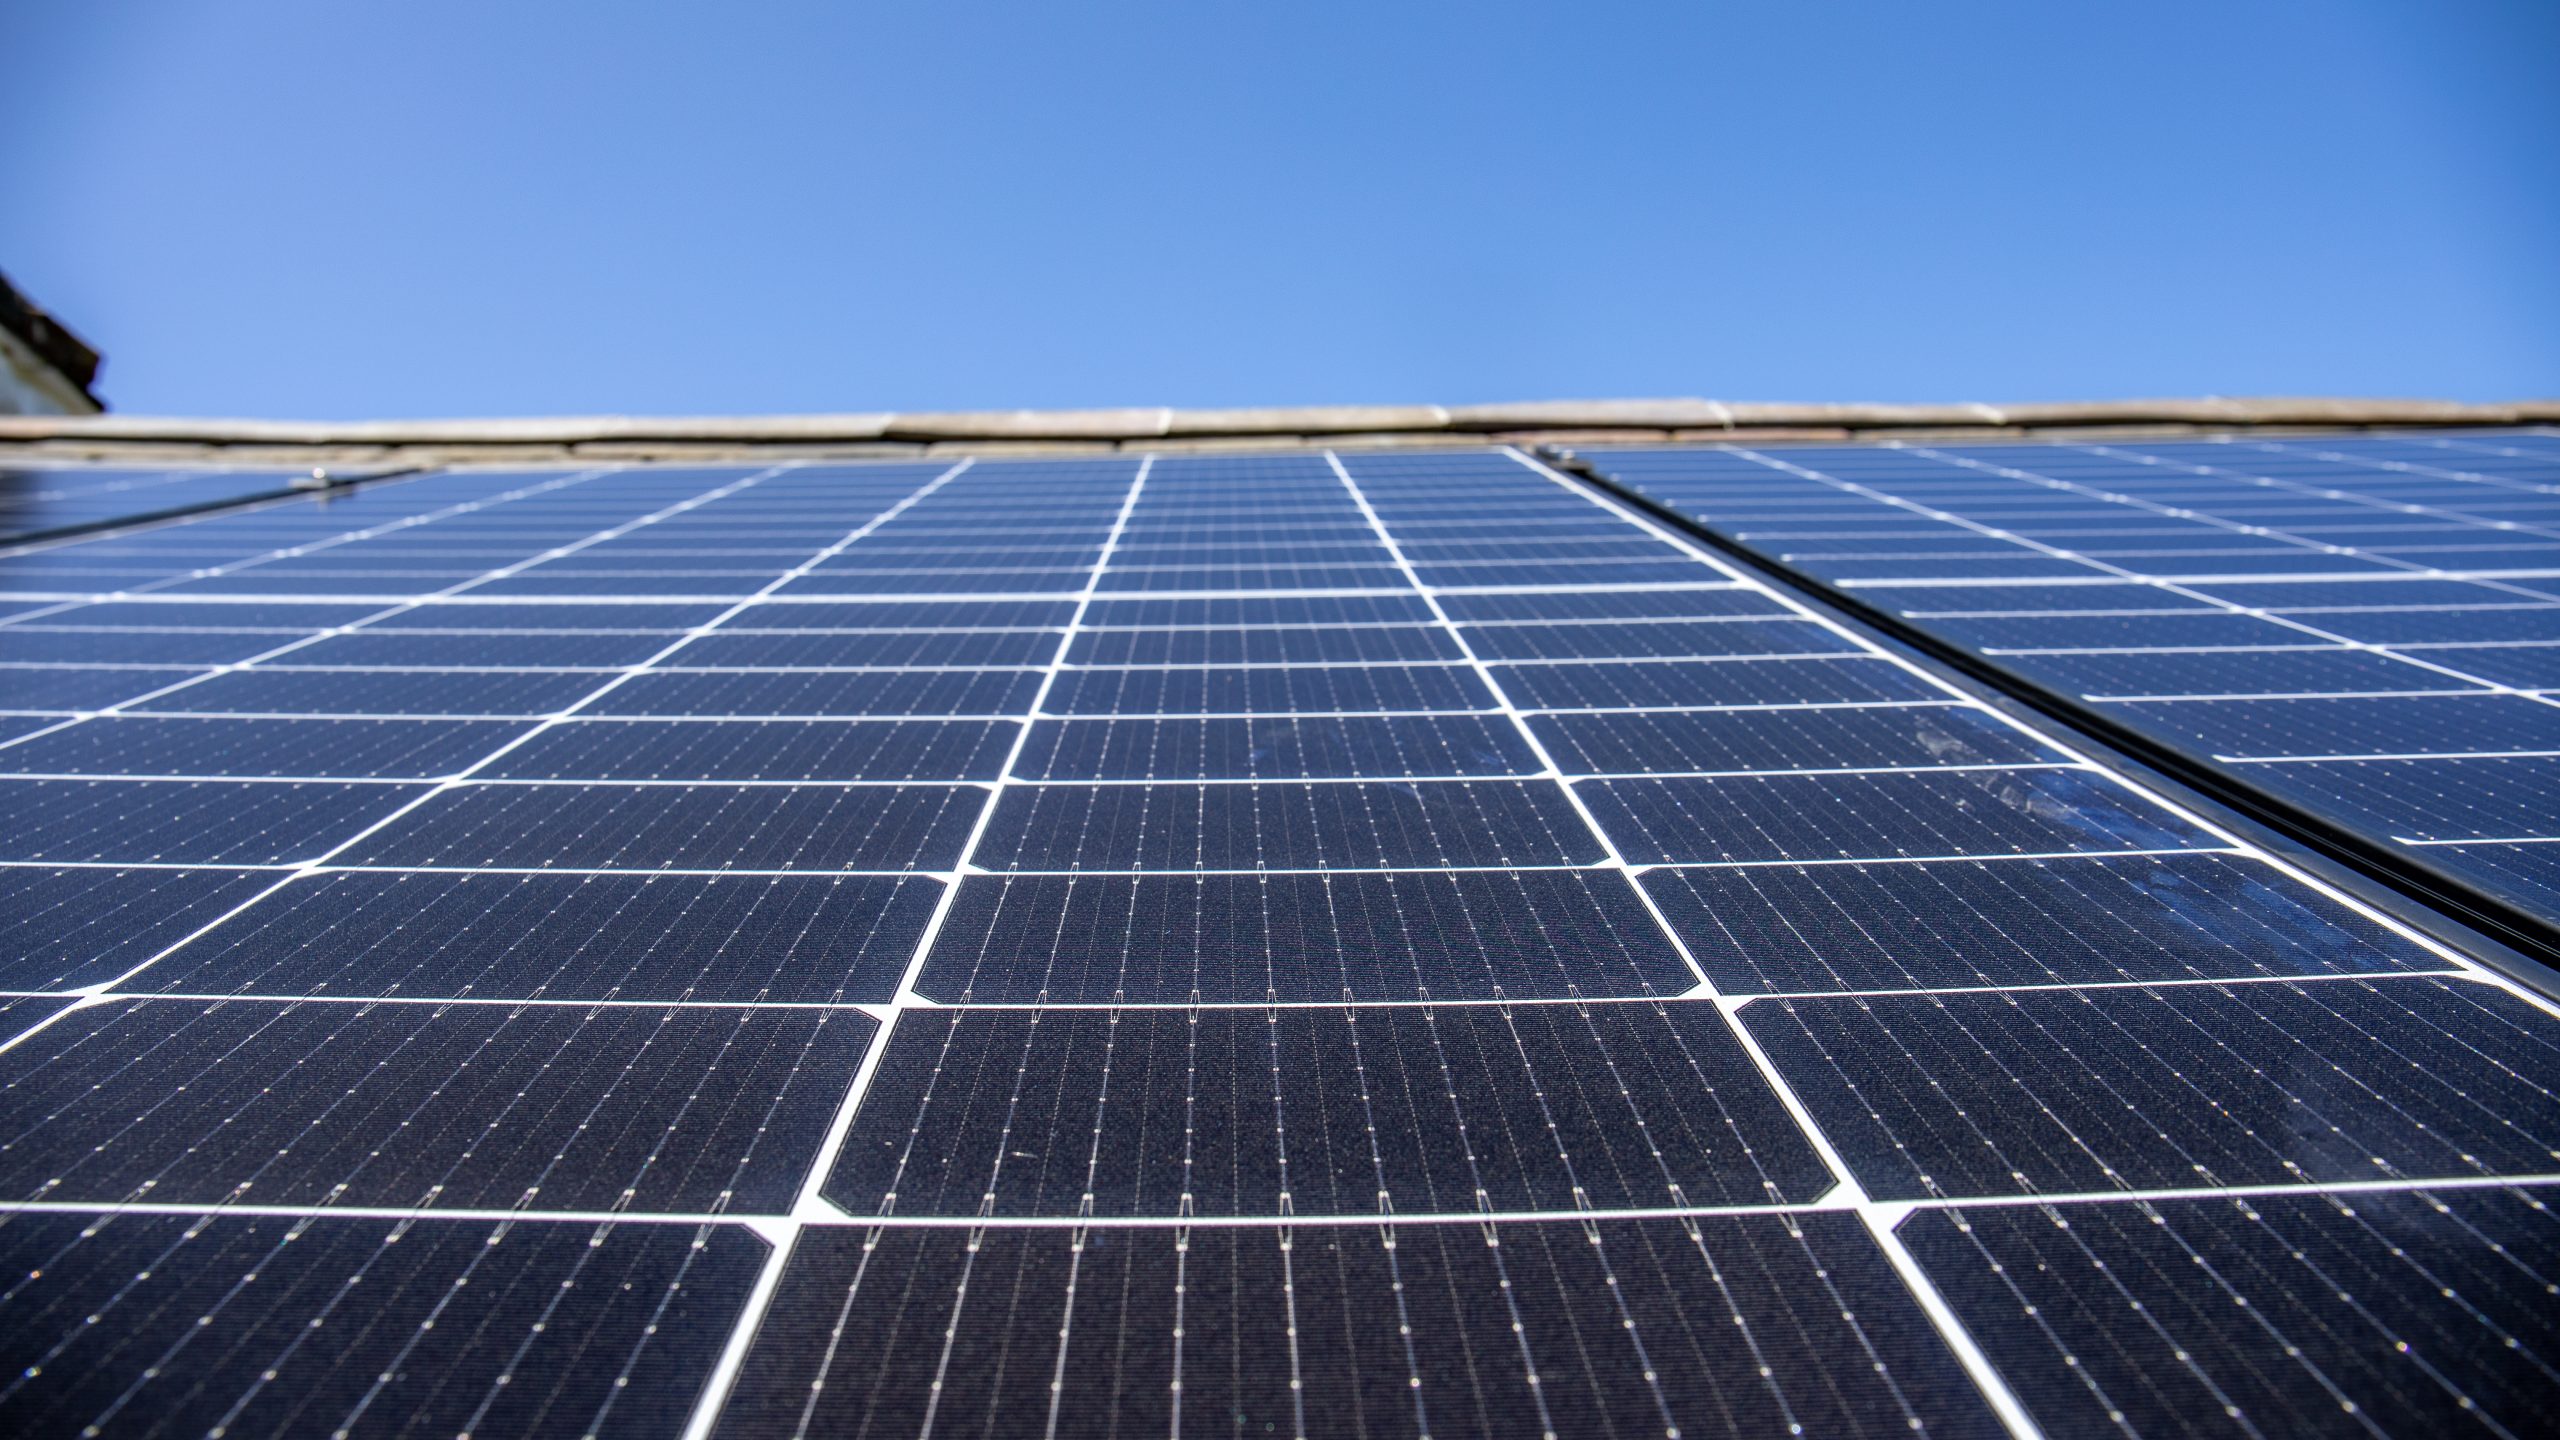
(261, 747)
(1245, 939)
(747, 940)
(689, 826)
(472, 1107)
(2400, 1312)
(1905, 737)
(2075, 920)
(816, 693)
(770, 750)
(1365, 825)
(1728, 1326)
(1274, 747)
(1878, 815)
(1278, 690)
(2174, 1088)
(272, 1324)
(193, 822)
(1349, 1110)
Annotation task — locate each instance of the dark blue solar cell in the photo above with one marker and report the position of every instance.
(959, 555)
(2428, 725)
(380, 692)
(543, 1107)
(1596, 572)
(1521, 1329)
(706, 569)
(1280, 690)
(682, 827)
(144, 745)
(920, 582)
(1276, 747)
(2016, 599)
(2530, 871)
(1349, 1111)
(268, 1325)
(264, 582)
(760, 750)
(2100, 919)
(638, 584)
(466, 614)
(742, 938)
(1669, 742)
(19, 1013)
(538, 650)
(1677, 684)
(31, 687)
(2392, 591)
(1150, 554)
(1125, 580)
(2293, 671)
(1554, 543)
(1610, 604)
(1341, 644)
(22, 645)
(1876, 569)
(86, 925)
(2451, 624)
(1880, 816)
(210, 613)
(848, 648)
(823, 693)
(2081, 632)
(2045, 1092)
(1364, 825)
(2474, 799)
(1666, 639)
(194, 822)
(2217, 568)
(1239, 939)
(1260, 610)
(898, 614)
(2396, 1313)
(2527, 667)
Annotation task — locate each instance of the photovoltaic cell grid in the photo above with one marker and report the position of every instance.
(2368, 625)
(1300, 944)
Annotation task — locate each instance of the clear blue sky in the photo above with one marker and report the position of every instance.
(333, 209)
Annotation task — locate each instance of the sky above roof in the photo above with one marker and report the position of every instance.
(284, 207)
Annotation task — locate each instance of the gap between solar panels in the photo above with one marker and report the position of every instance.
(2533, 940)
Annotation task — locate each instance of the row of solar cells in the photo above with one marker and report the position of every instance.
(1494, 1329)
(2369, 626)
(2346, 1050)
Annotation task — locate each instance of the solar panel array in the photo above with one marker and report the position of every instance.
(1302, 944)
(2369, 625)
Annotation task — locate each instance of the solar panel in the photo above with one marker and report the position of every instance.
(1381, 943)
(2367, 625)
